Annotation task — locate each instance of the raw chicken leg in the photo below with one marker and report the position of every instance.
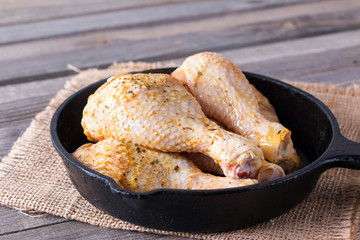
(157, 112)
(225, 94)
(139, 169)
(267, 172)
(265, 107)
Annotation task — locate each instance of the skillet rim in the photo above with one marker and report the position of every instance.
(115, 189)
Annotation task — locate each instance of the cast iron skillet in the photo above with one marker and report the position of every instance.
(316, 136)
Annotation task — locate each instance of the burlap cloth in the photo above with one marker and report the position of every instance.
(33, 177)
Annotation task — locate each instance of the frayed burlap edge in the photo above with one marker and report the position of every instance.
(343, 229)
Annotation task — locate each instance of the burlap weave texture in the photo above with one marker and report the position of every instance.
(32, 176)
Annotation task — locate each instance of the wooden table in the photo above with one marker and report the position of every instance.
(298, 40)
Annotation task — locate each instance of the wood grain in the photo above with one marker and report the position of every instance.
(213, 24)
(12, 221)
(57, 228)
(67, 9)
(293, 48)
(19, 104)
(174, 46)
(124, 19)
(12, 93)
(331, 67)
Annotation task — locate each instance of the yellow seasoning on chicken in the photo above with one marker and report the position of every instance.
(140, 169)
(225, 95)
(157, 112)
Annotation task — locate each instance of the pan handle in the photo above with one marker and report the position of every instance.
(342, 152)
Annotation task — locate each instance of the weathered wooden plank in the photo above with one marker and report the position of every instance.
(293, 48)
(124, 19)
(343, 77)
(330, 52)
(19, 104)
(330, 67)
(10, 4)
(13, 221)
(15, 117)
(78, 230)
(16, 224)
(16, 114)
(213, 24)
(10, 134)
(175, 46)
(272, 55)
(50, 10)
(9, 111)
(49, 87)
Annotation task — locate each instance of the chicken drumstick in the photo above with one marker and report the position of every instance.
(225, 95)
(140, 169)
(157, 112)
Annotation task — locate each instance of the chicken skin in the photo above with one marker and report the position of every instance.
(225, 95)
(157, 112)
(140, 169)
(267, 172)
(265, 107)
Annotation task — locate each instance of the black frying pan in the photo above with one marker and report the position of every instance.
(316, 137)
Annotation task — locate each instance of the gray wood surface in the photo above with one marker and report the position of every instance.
(297, 40)
(67, 8)
(123, 19)
(91, 51)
